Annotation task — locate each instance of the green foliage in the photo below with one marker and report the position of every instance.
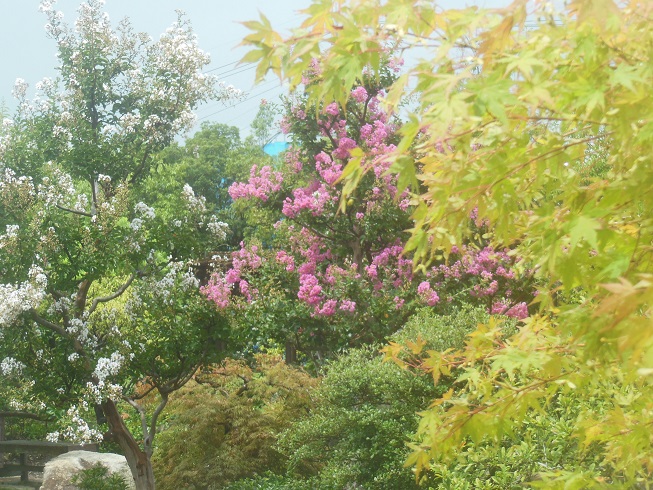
(98, 478)
(264, 129)
(210, 161)
(98, 300)
(272, 482)
(540, 121)
(356, 433)
(223, 426)
(439, 333)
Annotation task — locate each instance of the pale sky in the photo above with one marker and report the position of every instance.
(29, 54)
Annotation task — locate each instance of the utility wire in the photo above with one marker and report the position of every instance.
(238, 103)
(221, 66)
(209, 107)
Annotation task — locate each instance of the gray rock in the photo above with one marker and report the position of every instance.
(60, 470)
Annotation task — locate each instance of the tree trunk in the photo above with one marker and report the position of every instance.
(138, 460)
(2, 438)
(291, 352)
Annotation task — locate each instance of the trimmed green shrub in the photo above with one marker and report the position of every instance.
(97, 477)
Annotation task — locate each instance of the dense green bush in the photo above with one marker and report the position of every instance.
(273, 427)
(364, 413)
(546, 444)
(223, 426)
(444, 332)
(97, 477)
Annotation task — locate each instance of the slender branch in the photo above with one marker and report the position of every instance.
(80, 298)
(74, 211)
(141, 167)
(48, 324)
(77, 345)
(139, 396)
(181, 381)
(141, 413)
(155, 417)
(118, 292)
(26, 415)
(93, 197)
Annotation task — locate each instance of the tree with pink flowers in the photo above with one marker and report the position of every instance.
(334, 278)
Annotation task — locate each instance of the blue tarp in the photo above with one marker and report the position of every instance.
(273, 149)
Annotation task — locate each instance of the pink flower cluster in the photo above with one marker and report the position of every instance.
(218, 291)
(427, 293)
(327, 168)
(259, 186)
(359, 94)
(310, 290)
(388, 267)
(487, 273)
(314, 199)
(519, 311)
(287, 260)
(220, 286)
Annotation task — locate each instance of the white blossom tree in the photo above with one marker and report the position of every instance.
(98, 301)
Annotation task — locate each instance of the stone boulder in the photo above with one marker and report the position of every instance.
(60, 470)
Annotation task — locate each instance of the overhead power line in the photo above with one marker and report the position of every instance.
(238, 103)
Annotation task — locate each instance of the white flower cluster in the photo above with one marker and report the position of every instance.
(195, 203)
(136, 224)
(130, 122)
(103, 390)
(10, 235)
(217, 228)
(11, 367)
(81, 204)
(15, 300)
(108, 366)
(57, 189)
(231, 93)
(79, 328)
(31, 406)
(163, 288)
(5, 136)
(45, 85)
(178, 278)
(144, 210)
(13, 187)
(79, 431)
(20, 89)
(61, 305)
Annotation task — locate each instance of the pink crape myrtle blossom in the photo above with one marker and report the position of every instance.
(519, 311)
(314, 199)
(286, 259)
(260, 185)
(327, 168)
(327, 309)
(310, 290)
(343, 273)
(359, 94)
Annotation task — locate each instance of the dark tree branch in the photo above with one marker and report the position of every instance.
(155, 417)
(58, 329)
(118, 292)
(74, 211)
(141, 413)
(26, 415)
(49, 325)
(80, 298)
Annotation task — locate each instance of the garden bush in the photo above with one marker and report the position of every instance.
(223, 426)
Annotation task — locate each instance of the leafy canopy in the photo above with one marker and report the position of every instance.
(540, 120)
